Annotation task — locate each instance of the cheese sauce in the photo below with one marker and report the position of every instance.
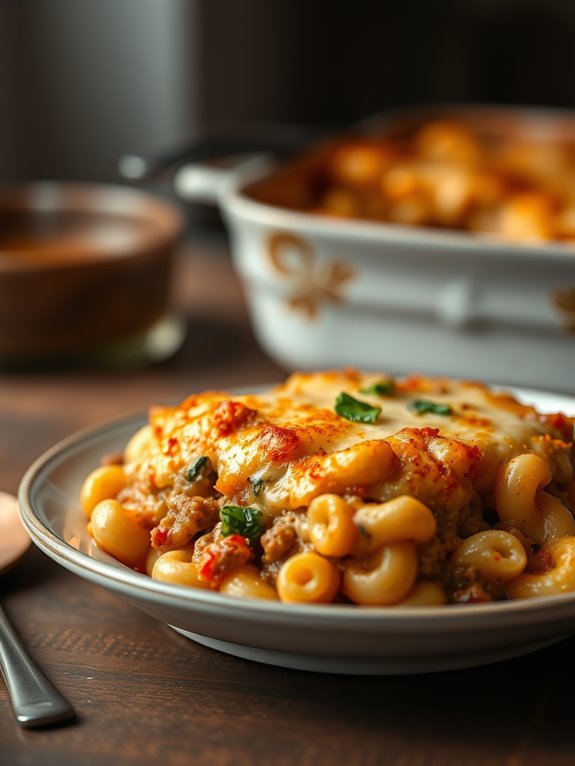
(292, 444)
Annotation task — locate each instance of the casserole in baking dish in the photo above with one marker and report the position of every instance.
(471, 297)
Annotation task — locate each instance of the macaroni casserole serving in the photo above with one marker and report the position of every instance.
(346, 487)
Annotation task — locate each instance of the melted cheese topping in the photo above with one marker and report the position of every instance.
(281, 448)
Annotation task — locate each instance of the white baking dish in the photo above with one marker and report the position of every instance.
(324, 292)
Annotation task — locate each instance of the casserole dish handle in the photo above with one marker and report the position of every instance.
(197, 172)
(201, 182)
(200, 167)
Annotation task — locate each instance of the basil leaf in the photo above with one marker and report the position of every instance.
(236, 520)
(194, 470)
(423, 406)
(257, 485)
(380, 388)
(355, 410)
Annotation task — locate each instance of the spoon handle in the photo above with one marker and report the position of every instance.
(35, 701)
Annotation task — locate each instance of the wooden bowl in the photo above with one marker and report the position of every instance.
(84, 268)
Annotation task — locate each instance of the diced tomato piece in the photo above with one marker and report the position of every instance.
(159, 537)
(223, 556)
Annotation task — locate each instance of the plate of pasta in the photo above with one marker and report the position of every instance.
(340, 521)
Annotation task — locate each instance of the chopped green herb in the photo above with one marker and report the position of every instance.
(248, 522)
(257, 485)
(196, 469)
(356, 410)
(380, 388)
(423, 406)
(363, 531)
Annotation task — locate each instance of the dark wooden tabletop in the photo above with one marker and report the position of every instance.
(146, 696)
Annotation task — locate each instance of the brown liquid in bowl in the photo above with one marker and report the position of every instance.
(90, 268)
(68, 237)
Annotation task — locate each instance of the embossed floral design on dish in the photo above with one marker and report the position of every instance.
(315, 282)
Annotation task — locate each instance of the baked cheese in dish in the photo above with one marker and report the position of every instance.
(349, 487)
(445, 174)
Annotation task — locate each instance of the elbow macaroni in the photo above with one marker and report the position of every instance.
(415, 492)
(332, 527)
(494, 553)
(559, 578)
(307, 578)
(520, 498)
(403, 518)
(384, 578)
(118, 534)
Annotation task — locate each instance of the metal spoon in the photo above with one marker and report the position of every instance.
(34, 699)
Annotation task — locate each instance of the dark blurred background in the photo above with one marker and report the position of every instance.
(82, 81)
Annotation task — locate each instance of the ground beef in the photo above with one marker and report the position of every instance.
(472, 594)
(471, 518)
(509, 526)
(203, 541)
(278, 541)
(186, 517)
(222, 556)
(145, 507)
(433, 555)
(539, 561)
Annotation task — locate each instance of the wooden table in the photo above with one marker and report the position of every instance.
(146, 696)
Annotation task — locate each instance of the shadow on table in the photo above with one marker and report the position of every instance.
(25, 574)
(498, 714)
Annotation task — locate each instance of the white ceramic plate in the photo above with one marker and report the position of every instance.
(326, 638)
